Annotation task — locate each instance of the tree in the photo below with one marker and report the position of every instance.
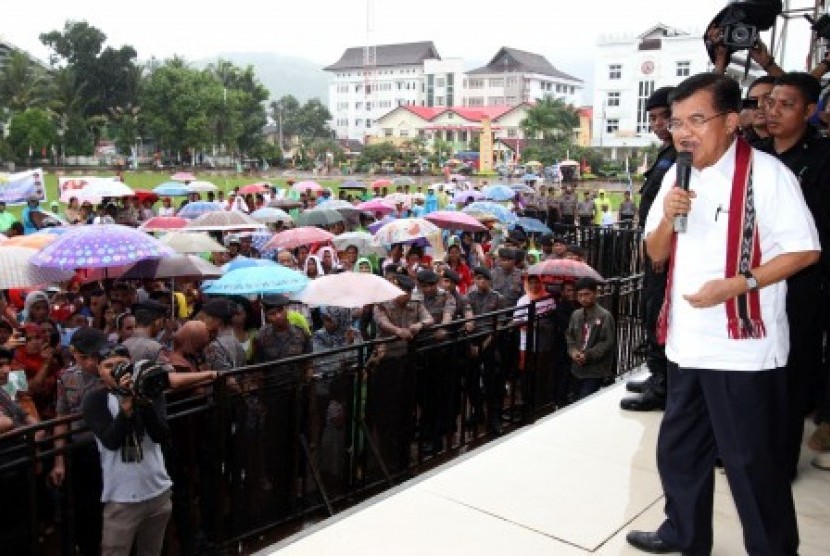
(23, 83)
(32, 130)
(375, 154)
(248, 98)
(311, 120)
(550, 120)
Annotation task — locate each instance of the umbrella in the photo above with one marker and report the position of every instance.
(304, 235)
(144, 195)
(171, 189)
(305, 186)
(461, 197)
(530, 177)
(452, 220)
(482, 217)
(319, 217)
(377, 184)
(100, 246)
(258, 280)
(498, 193)
(403, 181)
(532, 225)
(52, 230)
(376, 205)
(522, 188)
(343, 207)
(254, 188)
(246, 262)
(201, 186)
(183, 176)
(198, 208)
(285, 204)
(174, 266)
(364, 242)
(348, 289)
(16, 270)
(224, 220)
(100, 189)
(503, 214)
(458, 177)
(352, 184)
(399, 198)
(160, 223)
(32, 241)
(375, 226)
(258, 240)
(271, 215)
(564, 268)
(405, 230)
(192, 242)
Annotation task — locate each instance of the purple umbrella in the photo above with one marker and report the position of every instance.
(100, 246)
(375, 226)
(461, 197)
(197, 208)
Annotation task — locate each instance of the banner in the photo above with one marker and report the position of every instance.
(69, 187)
(16, 188)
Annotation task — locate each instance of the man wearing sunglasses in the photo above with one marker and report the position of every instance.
(724, 325)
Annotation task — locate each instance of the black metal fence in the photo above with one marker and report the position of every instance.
(266, 446)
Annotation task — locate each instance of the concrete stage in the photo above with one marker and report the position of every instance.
(572, 484)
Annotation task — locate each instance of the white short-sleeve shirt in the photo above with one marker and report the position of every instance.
(698, 338)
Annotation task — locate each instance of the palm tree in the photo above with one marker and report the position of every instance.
(22, 83)
(550, 118)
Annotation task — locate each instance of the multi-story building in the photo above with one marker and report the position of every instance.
(513, 76)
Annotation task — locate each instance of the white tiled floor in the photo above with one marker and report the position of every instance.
(573, 483)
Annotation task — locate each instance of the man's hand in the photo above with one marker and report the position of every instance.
(677, 202)
(715, 292)
(404, 334)
(579, 358)
(58, 472)
(760, 54)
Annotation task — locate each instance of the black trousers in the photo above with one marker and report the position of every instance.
(740, 416)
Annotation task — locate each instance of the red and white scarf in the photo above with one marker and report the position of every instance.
(743, 253)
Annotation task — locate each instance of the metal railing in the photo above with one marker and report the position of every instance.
(266, 446)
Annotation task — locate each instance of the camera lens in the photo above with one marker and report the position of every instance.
(740, 34)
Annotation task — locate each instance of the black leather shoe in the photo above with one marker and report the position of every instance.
(649, 542)
(647, 401)
(638, 386)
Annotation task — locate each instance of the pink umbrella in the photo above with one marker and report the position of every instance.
(295, 237)
(377, 184)
(183, 176)
(158, 223)
(461, 197)
(451, 220)
(376, 205)
(254, 188)
(305, 186)
(564, 268)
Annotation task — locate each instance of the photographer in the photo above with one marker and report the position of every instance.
(128, 420)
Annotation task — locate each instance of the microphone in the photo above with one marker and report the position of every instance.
(684, 175)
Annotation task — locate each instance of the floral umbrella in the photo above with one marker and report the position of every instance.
(100, 246)
(295, 237)
(258, 280)
(16, 270)
(377, 205)
(406, 230)
(348, 289)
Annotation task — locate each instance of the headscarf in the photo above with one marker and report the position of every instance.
(316, 260)
(342, 319)
(191, 338)
(363, 260)
(335, 260)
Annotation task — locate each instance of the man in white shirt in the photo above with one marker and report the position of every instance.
(725, 325)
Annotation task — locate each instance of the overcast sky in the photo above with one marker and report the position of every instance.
(563, 31)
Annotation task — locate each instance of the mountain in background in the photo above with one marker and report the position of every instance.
(281, 75)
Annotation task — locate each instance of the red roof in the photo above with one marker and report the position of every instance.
(425, 112)
(586, 111)
(473, 114)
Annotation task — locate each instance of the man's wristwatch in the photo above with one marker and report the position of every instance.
(751, 280)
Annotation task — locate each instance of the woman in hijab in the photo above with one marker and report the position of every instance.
(313, 267)
(328, 258)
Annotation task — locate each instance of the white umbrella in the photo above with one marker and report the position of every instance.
(364, 241)
(200, 186)
(348, 289)
(224, 220)
(100, 189)
(192, 242)
(271, 215)
(17, 272)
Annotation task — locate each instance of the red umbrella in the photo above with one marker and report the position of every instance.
(376, 205)
(377, 184)
(254, 188)
(452, 220)
(305, 186)
(144, 195)
(564, 268)
(158, 223)
(295, 237)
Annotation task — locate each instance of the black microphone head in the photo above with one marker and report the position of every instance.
(684, 169)
(684, 158)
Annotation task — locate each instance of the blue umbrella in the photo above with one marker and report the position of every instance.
(530, 177)
(172, 189)
(498, 193)
(532, 225)
(198, 208)
(246, 262)
(258, 280)
(504, 215)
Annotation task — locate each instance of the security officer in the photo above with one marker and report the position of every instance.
(507, 278)
(567, 206)
(586, 209)
(652, 391)
(627, 211)
(484, 299)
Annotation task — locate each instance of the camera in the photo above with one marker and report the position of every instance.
(820, 26)
(149, 379)
(740, 35)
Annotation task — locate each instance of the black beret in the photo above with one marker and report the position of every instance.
(220, 308)
(427, 276)
(452, 276)
(482, 271)
(517, 236)
(274, 300)
(546, 239)
(151, 306)
(659, 98)
(404, 282)
(88, 340)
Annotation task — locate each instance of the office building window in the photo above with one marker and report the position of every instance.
(613, 99)
(644, 91)
(615, 71)
(612, 125)
(684, 69)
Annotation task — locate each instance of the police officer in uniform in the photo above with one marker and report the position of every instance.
(627, 211)
(651, 393)
(567, 206)
(586, 210)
